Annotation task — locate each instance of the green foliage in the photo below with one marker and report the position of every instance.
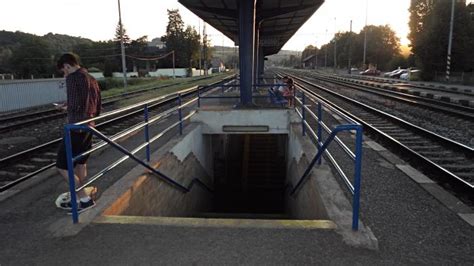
(110, 83)
(184, 42)
(174, 38)
(429, 36)
(59, 43)
(119, 33)
(308, 51)
(30, 57)
(399, 61)
(382, 47)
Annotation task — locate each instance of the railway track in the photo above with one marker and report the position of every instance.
(19, 167)
(455, 110)
(448, 162)
(402, 83)
(455, 123)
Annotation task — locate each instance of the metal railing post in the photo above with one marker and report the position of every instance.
(319, 128)
(147, 134)
(303, 112)
(199, 96)
(70, 171)
(180, 115)
(357, 177)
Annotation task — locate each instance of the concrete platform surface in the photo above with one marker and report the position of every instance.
(411, 225)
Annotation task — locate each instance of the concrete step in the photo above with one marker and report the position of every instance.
(266, 216)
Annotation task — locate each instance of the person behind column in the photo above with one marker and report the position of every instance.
(289, 91)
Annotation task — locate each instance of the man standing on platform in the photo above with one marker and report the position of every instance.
(83, 102)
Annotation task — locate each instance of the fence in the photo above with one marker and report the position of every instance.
(16, 95)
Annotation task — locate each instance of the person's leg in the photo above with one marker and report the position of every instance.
(78, 178)
(81, 172)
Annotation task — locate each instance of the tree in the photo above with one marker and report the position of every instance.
(137, 49)
(118, 34)
(192, 43)
(174, 38)
(309, 50)
(207, 52)
(184, 42)
(382, 45)
(32, 57)
(429, 36)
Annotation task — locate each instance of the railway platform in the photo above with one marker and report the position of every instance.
(382, 211)
(413, 220)
(412, 227)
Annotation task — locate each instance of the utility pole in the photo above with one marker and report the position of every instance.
(205, 48)
(174, 76)
(335, 45)
(326, 52)
(200, 48)
(365, 32)
(451, 25)
(350, 50)
(122, 48)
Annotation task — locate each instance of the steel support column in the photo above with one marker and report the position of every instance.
(246, 49)
(256, 55)
(261, 62)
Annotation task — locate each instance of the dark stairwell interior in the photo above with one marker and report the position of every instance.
(249, 176)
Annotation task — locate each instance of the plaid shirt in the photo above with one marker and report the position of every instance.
(83, 96)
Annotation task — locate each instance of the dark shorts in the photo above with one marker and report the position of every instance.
(80, 142)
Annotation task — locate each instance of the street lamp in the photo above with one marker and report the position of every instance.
(365, 31)
(326, 53)
(350, 50)
(335, 45)
(122, 47)
(451, 25)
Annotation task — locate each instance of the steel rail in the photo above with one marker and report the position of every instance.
(163, 100)
(406, 150)
(446, 108)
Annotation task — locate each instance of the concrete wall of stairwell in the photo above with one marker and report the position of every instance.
(150, 196)
(307, 203)
(276, 120)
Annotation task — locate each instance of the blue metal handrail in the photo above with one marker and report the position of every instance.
(323, 149)
(111, 141)
(235, 96)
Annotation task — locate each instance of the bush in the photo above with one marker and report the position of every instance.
(109, 83)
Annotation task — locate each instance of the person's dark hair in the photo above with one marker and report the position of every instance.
(67, 58)
(290, 81)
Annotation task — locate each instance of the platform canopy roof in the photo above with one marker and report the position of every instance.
(279, 19)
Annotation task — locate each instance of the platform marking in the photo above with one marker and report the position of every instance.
(468, 217)
(218, 223)
(375, 146)
(8, 193)
(414, 174)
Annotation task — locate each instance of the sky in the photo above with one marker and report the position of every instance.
(97, 19)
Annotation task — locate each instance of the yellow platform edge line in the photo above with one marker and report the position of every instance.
(215, 222)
